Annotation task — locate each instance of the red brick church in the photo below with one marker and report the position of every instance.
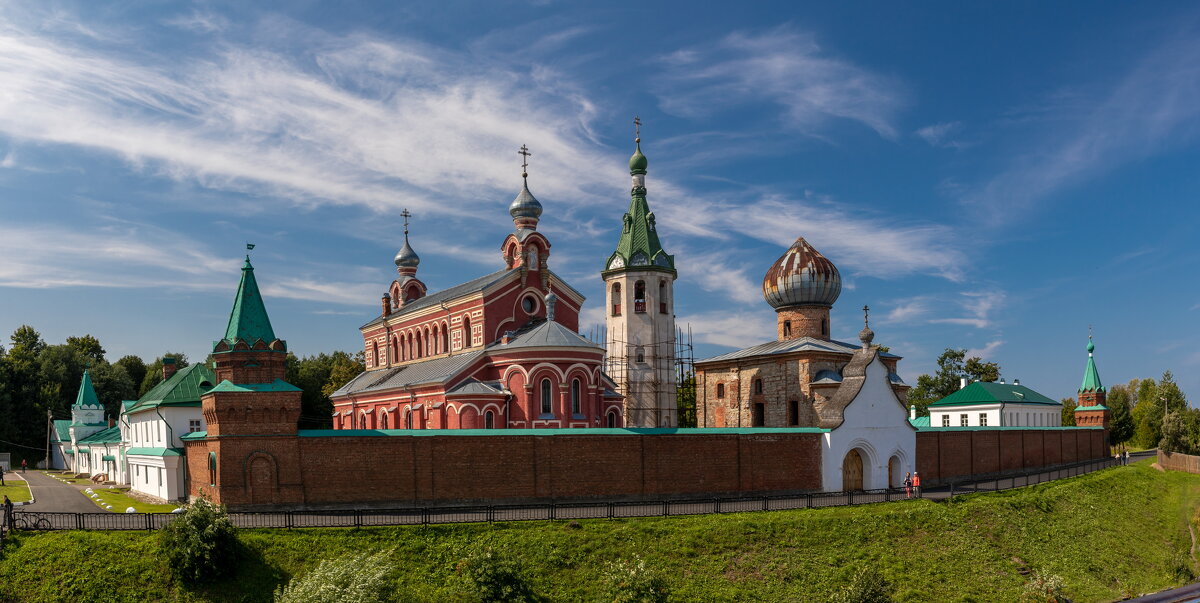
(498, 351)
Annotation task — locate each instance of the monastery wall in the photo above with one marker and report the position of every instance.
(1179, 462)
(950, 453)
(328, 468)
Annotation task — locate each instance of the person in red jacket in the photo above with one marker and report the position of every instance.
(917, 483)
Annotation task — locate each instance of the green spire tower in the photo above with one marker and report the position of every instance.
(248, 321)
(640, 278)
(1091, 411)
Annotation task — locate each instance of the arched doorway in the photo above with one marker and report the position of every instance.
(895, 480)
(852, 471)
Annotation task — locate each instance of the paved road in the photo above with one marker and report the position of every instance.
(1184, 594)
(53, 495)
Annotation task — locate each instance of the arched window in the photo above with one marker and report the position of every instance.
(408, 418)
(662, 297)
(787, 328)
(575, 401)
(612, 418)
(547, 402)
(212, 468)
(489, 420)
(395, 349)
(383, 420)
(720, 390)
(639, 297)
(794, 413)
(758, 386)
(445, 339)
(640, 355)
(616, 299)
(466, 331)
(375, 354)
(420, 346)
(435, 341)
(825, 327)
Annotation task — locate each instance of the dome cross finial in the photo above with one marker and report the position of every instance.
(524, 153)
(637, 129)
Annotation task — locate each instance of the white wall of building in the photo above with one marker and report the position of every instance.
(996, 415)
(876, 423)
(648, 384)
(160, 476)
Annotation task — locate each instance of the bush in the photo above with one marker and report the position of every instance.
(201, 544)
(1044, 588)
(353, 578)
(630, 581)
(496, 576)
(868, 586)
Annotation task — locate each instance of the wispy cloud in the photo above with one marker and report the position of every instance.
(782, 67)
(1153, 108)
(730, 328)
(977, 307)
(943, 135)
(986, 351)
(908, 310)
(204, 22)
(715, 273)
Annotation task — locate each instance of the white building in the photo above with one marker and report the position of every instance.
(153, 426)
(983, 404)
(87, 418)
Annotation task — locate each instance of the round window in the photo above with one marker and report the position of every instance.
(528, 304)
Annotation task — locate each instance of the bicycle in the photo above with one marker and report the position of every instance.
(22, 522)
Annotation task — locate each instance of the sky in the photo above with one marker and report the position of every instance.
(996, 178)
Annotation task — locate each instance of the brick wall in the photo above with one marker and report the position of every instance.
(404, 470)
(948, 454)
(1179, 462)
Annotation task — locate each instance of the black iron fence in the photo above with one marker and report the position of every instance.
(32, 520)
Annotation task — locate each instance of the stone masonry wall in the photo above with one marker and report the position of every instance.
(945, 455)
(1179, 462)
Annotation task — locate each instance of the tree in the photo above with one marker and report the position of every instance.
(1147, 415)
(89, 347)
(154, 371)
(1120, 420)
(135, 367)
(113, 384)
(685, 400)
(1178, 433)
(1068, 412)
(343, 370)
(953, 365)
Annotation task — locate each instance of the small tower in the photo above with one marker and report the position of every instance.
(87, 415)
(407, 287)
(1091, 411)
(526, 248)
(639, 280)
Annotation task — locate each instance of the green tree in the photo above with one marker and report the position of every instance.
(1068, 412)
(201, 544)
(343, 370)
(1147, 415)
(685, 400)
(135, 367)
(1120, 419)
(89, 347)
(113, 384)
(953, 365)
(154, 371)
(311, 374)
(1178, 433)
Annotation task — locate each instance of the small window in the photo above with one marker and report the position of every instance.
(528, 304)
(489, 420)
(383, 421)
(983, 419)
(825, 327)
(193, 425)
(639, 297)
(963, 420)
(408, 419)
(720, 390)
(547, 402)
(760, 414)
(641, 355)
(945, 420)
(612, 418)
(787, 328)
(575, 401)
(616, 299)
(794, 413)
(212, 468)
(662, 297)
(466, 332)
(758, 386)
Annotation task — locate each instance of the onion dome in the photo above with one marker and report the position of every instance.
(866, 335)
(406, 257)
(638, 163)
(525, 205)
(802, 277)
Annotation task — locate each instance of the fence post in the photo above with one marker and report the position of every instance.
(611, 513)
(808, 500)
(716, 505)
(553, 507)
(491, 513)
(666, 508)
(849, 498)
(766, 504)
(425, 516)
(951, 489)
(148, 528)
(78, 521)
(358, 518)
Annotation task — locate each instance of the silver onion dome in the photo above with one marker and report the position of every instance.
(525, 205)
(406, 257)
(802, 277)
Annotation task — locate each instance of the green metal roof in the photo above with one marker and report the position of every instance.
(248, 321)
(107, 457)
(154, 452)
(107, 436)
(69, 451)
(334, 433)
(919, 421)
(194, 435)
(278, 385)
(639, 246)
(62, 430)
(87, 393)
(84, 450)
(184, 388)
(1091, 377)
(1097, 407)
(982, 392)
(127, 404)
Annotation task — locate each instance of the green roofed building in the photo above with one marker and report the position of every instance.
(87, 417)
(1092, 410)
(983, 404)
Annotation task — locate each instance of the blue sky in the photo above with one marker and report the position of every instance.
(994, 178)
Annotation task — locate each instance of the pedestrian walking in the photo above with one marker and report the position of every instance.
(8, 512)
(907, 485)
(23, 465)
(916, 481)
(1124, 457)
(1, 475)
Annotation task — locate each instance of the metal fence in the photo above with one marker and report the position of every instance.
(32, 520)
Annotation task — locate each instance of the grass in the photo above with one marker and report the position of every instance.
(15, 490)
(120, 500)
(1108, 535)
(65, 476)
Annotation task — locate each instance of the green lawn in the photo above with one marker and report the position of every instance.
(65, 476)
(1108, 535)
(120, 500)
(15, 490)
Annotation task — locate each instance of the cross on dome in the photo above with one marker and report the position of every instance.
(524, 153)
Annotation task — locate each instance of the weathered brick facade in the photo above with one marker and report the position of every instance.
(950, 454)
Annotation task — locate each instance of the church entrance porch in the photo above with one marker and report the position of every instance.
(852, 471)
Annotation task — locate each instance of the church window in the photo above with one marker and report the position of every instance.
(547, 405)
(758, 386)
(383, 421)
(945, 420)
(794, 413)
(375, 354)
(420, 346)
(983, 419)
(641, 355)
(612, 418)
(445, 339)
(528, 304)
(825, 327)
(395, 349)
(720, 390)
(760, 412)
(963, 420)
(489, 420)
(662, 297)
(616, 299)
(466, 331)
(193, 425)
(408, 418)
(639, 297)
(575, 401)
(787, 328)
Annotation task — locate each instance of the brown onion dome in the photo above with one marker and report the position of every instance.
(802, 277)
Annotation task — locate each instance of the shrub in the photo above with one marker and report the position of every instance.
(353, 578)
(496, 576)
(630, 581)
(201, 544)
(1044, 588)
(868, 586)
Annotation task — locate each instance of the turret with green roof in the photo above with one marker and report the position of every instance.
(248, 321)
(639, 247)
(1092, 395)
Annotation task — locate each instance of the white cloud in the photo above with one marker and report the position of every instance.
(942, 134)
(715, 273)
(908, 310)
(10, 160)
(977, 307)
(782, 67)
(986, 351)
(203, 22)
(737, 329)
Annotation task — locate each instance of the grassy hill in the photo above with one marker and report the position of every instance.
(1108, 535)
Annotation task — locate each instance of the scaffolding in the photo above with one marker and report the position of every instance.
(656, 378)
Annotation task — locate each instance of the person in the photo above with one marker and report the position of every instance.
(907, 485)
(23, 465)
(1, 475)
(916, 482)
(1125, 457)
(8, 512)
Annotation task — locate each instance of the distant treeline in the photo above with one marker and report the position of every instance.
(36, 377)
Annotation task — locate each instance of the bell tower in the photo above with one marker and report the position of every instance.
(1092, 411)
(639, 279)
